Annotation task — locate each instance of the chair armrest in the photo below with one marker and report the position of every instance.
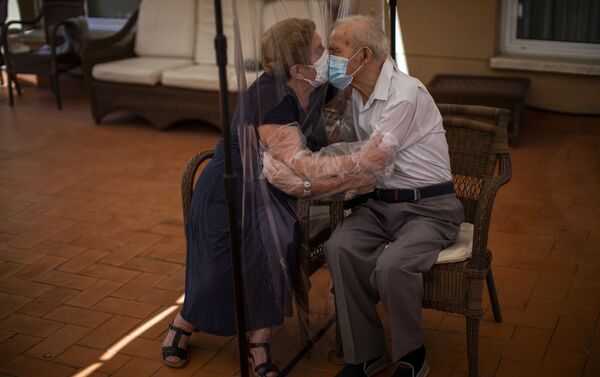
(187, 180)
(118, 36)
(336, 214)
(303, 211)
(6, 26)
(35, 21)
(483, 212)
(114, 47)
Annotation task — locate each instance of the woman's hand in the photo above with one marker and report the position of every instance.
(282, 177)
(372, 158)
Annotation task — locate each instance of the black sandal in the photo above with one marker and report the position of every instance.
(261, 370)
(175, 350)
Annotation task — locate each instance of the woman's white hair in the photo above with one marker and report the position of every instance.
(366, 31)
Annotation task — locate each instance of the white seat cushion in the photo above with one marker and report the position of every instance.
(249, 15)
(140, 70)
(462, 249)
(203, 76)
(166, 28)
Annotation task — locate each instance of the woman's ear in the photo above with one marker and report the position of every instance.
(295, 72)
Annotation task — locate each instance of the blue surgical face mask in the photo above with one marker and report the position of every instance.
(321, 66)
(337, 71)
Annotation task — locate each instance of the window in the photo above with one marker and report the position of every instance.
(109, 15)
(553, 28)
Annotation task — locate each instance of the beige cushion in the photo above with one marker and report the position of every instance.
(166, 28)
(460, 250)
(203, 76)
(249, 11)
(140, 70)
(316, 10)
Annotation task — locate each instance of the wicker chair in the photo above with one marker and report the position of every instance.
(41, 62)
(480, 163)
(311, 251)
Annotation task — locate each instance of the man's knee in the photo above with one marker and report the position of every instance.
(333, 246)
(393, 262)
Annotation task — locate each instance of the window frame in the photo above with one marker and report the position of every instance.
(104, 23)
(511, 45)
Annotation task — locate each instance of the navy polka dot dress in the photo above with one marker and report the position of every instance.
(209, 294)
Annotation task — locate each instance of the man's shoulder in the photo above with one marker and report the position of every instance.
(404, 87)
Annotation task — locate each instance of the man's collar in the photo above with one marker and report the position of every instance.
(382, 86)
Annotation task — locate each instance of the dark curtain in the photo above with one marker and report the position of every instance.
(560, 20)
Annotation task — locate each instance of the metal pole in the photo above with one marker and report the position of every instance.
(229, 179)
(393, 5)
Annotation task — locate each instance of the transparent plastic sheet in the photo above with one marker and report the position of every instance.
(285, 132)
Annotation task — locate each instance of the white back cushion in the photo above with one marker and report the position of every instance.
(249, 12)
(166, 28)
(316, 10)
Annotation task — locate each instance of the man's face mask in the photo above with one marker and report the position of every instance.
(322, 68)
(337, 71)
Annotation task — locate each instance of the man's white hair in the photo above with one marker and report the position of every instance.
(366, 31)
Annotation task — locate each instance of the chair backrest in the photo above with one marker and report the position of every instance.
(56, 11)
(255, 17)
(476, 136)
(316, 10)
(166, 28)
(249, 18)
(3, 11)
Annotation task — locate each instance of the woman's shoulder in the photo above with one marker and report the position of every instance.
(272, 101)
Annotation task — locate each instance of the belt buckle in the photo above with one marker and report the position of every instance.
(416, 194)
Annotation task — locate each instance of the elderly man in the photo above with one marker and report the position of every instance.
(395, 233)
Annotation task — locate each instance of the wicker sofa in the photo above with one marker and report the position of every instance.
(161, 65)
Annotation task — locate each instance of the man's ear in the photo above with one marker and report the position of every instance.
(367, 54)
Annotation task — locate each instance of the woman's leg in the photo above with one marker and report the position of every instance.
(184, 325)
(260, 354)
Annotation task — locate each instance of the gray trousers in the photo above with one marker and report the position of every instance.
(380, 252)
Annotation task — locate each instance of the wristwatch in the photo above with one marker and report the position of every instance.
(307, 188)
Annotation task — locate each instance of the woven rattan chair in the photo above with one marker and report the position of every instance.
(43, 61)
(481, 164)
(480, 161)
(311, 251)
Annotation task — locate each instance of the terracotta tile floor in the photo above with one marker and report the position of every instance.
(91, 250)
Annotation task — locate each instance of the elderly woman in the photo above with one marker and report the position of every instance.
(282, 109)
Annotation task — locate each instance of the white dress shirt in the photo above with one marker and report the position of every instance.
(402, 109)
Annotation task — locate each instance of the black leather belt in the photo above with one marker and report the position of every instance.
(405, 195)
(412, 195)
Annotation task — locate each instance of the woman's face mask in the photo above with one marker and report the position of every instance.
(322, 68)
(337, 71)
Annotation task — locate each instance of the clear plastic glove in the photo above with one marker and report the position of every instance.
(372, 157)
(282, 177)
(325, 187)
(337, 168)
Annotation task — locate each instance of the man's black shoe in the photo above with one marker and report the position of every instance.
(367, 369)
(413, 364)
